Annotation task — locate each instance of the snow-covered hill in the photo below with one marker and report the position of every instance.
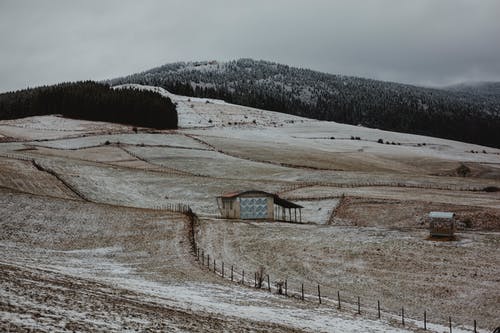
(449, 113)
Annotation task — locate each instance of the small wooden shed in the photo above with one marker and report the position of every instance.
(442, 224)
(258, 205)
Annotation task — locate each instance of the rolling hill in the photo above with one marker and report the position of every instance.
(465, 113)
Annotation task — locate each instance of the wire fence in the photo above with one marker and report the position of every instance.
(315, 293)
(409, 184)
(323, 295)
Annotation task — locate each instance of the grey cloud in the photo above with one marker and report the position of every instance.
(421, 42)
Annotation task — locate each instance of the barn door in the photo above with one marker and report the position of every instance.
(253, 208)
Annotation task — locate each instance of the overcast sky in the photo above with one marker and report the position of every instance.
(428, 42)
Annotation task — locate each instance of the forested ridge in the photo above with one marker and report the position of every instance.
(470, 114)
(90, 100)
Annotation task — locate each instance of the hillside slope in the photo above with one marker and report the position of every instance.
(448, 113)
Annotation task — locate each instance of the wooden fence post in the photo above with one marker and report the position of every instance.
(255, 279)
(214, 266)
(243, 277)
(302, 291)
(425, 320)
(403, 316)
(359, 306)
(338, 298)
(208, 261)
(286, 289)
(231, 273)
(268, 283)
(223, 269)
(319, 294)
(475, 326)
(449, 321)
(378, 308)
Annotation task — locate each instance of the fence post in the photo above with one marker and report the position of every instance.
(223, 269)
(475, 326)
(359, 306)
(449, 321)
(243, 277)
(214, 266)
(302, 291)
(231, 273)
(286, 289)
(255, 279)
(378, 308)
(203, 257)
(268, 283)
(403, 316)
(319, 294)
(208, 261)
(338, 298)
(425, 320)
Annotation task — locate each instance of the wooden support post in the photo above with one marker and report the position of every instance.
(338, 298)
(359, 306)
(295, 212)
(286, 289)
(378, 308)
(319, 295)
(300, 215)
(208, 261)
(203, 257)
(403, 316)
(425, 320)
(302, 291)
(255, 279)
(231, 273)
(268, 283)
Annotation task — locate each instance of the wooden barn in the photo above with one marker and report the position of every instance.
(441, 224)
(258, 205)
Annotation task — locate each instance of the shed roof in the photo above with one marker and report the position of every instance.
(441, 215)
(277, 200)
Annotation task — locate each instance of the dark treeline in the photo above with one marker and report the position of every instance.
(463, 115)
(91, 101)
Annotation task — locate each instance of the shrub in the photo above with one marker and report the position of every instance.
(463, 170)
(491, 189)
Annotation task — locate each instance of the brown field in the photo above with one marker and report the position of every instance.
(87, 244)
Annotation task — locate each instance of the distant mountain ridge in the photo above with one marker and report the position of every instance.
(469, 113)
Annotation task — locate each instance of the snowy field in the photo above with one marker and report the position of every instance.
(86, 247)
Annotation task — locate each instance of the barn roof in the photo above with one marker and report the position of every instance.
(441, 215)
(277, 200)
